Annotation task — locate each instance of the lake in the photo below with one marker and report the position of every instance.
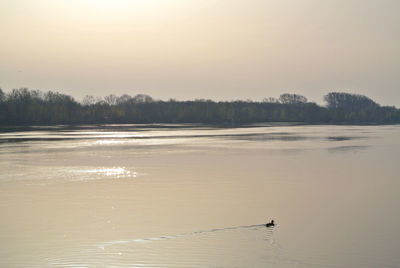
(198, 196)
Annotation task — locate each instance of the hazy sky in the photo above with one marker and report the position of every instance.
(187, 49)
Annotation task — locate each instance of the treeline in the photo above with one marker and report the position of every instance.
(33, 107)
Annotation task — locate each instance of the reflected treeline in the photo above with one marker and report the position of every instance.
(24, 106)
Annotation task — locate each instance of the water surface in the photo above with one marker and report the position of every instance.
(197, 196)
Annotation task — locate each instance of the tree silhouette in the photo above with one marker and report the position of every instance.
(24, 106)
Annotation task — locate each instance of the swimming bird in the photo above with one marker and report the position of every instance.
(270, 224)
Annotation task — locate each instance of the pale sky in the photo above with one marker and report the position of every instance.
(214, 49)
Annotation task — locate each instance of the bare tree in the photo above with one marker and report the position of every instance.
(292, 99)
(111, 99)
(88, 100)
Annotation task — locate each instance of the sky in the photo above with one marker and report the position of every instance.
(202, 49)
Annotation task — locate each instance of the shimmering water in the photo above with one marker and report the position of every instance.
(198, 196)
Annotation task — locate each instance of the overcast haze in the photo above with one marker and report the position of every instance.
(222, 50)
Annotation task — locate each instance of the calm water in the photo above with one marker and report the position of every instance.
(195, 196)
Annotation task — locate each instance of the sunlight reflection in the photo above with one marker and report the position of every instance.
(113, 172)
(108, 142)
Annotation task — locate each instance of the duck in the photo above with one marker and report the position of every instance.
(270, 224)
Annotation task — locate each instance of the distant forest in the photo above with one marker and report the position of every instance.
(34, 107)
